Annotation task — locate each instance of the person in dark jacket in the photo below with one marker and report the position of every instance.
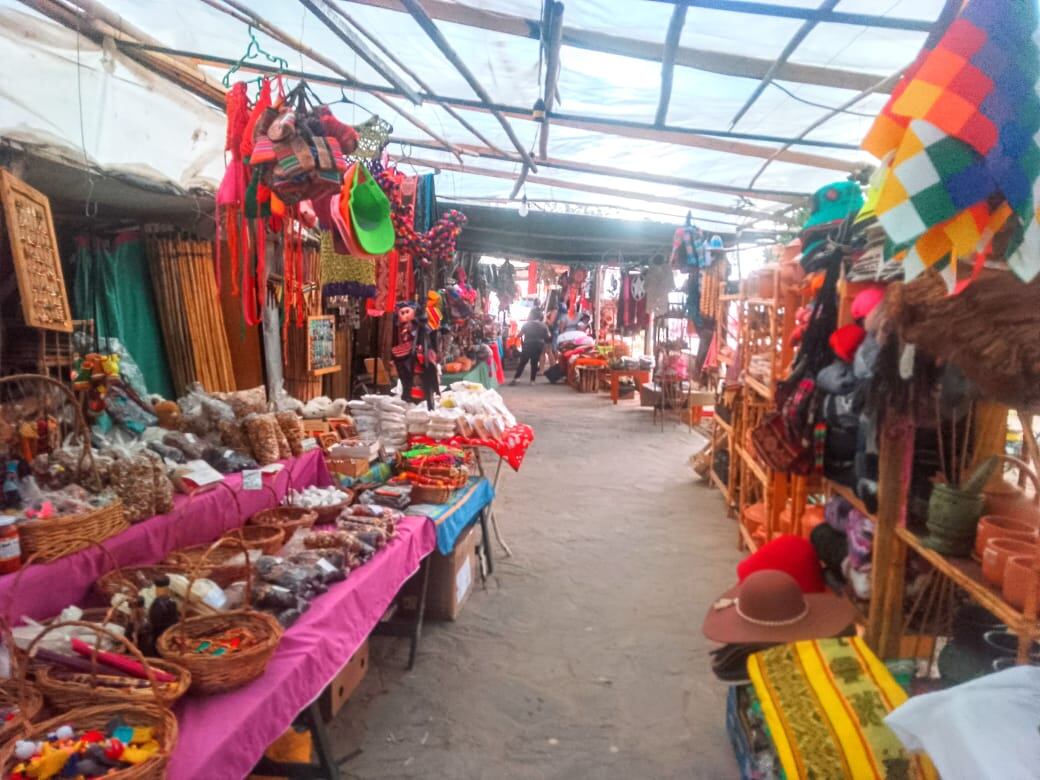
(535, 334)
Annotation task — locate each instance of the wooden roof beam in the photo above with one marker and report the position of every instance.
(95, 22)
(780, 196)
(553, 44)
(415, 8)
(716, 140)
(796, 40)
(393, 58)
(332, 19)
(815, 14)
(288, 40)
(724, 63)
(583, 187)
(671, 43)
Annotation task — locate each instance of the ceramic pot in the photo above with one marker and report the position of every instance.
(953, 516)
(1000, 527)
(1008, 499)
(811, 517)
(1004, 644)
(1017, 572)
(996, 554)
(970, 624)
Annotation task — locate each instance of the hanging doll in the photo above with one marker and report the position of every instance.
(403, 352)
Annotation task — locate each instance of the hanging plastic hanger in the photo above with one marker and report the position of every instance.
(253, 50)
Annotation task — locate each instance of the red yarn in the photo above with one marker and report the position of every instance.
(237, 107)
(263, 102)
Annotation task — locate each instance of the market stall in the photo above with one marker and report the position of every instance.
(880, 409)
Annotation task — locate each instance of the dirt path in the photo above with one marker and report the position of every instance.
(584, 657)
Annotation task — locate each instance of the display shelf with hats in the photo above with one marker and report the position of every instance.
(942, 279)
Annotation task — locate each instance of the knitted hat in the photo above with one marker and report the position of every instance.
(846, 340)
(790, 554)
(864, 302)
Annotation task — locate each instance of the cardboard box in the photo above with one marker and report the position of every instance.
(452, 578)
(316, 426)
(349, 467)
(345, 683)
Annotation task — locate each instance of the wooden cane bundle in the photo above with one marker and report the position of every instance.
(189, 310)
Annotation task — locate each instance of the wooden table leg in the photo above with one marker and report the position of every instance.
(614, 386)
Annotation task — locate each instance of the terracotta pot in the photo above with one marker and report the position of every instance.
(1000, 526)
(1008, 499)
(755, 517)
(811, 517)
(1012, 503)
(1017, 573)
(996, 554)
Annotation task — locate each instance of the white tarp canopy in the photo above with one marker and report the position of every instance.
(79, 95)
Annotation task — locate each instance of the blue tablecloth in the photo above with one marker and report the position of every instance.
(452, 519)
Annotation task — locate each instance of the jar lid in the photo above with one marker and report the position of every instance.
(6, 520)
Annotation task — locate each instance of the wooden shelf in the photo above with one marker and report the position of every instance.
(745, 534)
(967, 574)
(758, 387)
(323, 371)
(753, 465)
(761, 301)
(725, 426)
(838, 489)
(735, 297)
(713, 478)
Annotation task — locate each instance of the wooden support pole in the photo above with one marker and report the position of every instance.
(887, 570)
(796, 40)
(401, 66)
(715, 140)
(519, 182)
(415, 8)
(671, 43)
(582, 187)
(92, 24)
(724, 63)
(293, 43)
(554, 40)
(332, 18)
(815, 14)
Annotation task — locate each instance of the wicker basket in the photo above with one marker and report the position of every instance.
(85, 690)
(51, 539)
(161, 719)
(55, 538)
(214, 561)
(153, 713)
(17, 691)
(27, 698)
(269, 539)
(430, 494)
(124, 579)
(216, 674)
(328, 514)
(288, 519)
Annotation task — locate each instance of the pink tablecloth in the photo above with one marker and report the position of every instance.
(45, 589)
(222, 737)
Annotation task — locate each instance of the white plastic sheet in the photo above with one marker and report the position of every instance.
(135, 121)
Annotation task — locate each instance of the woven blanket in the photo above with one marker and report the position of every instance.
(825, 702)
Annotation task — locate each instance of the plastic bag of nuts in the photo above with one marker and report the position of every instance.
(263, 433)
(292, 427)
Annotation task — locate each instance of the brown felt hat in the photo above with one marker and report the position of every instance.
(768, 606)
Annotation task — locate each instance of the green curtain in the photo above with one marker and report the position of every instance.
(113, 286)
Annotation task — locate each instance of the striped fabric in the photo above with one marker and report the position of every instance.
(825, 702)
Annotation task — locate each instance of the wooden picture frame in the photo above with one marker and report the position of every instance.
(35, 256)
(321, 350)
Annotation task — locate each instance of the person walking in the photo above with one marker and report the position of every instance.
(535, 334)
